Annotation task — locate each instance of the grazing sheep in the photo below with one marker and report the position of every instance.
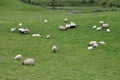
(65, 19)
(45, 21)
(67, 26)
(48, 36)
(62, 28)
(36, 35)
(28, 61)
(94, 27)
(24, 31)
(108, 30)
(13, 29)
(18, 57)
(101, 42)
(54, 48)
(20, 24)
(90, 47)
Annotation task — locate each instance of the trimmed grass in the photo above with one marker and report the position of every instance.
(72, 61)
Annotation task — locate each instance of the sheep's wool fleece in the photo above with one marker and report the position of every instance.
(29, 61)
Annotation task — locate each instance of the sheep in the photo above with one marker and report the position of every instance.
(72, 25)
(13, 29)
(18, 57)
(105, 25)
(94, 27)
(98, 28)
(54, 48)
(67, 26)
(48, 36)
(101, 22)
(36, 35)
(24, 31)
(95, 45)
(90, 47)
(62, 28)
(45, 21)
(101, 42)
(65, 19)
(91, 43)
(20, 24)
(28, 61)
(108, 30)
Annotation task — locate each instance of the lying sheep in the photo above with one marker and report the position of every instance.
(108, 30)
(18, 57)
(23, 30)
(91, 43)
(36, 35)
(13, 29)
(48, 36)
(20, 24)
(101, 42)
(101, 22)
(105, 25)
(45, 21)
(28, 61)
(72, 25)
(65, 19)
(94, 27)
(62, 28)
(54, 48)
(90, 47)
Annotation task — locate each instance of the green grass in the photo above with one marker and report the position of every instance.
(72, 61)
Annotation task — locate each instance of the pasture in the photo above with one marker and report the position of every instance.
(72, 61)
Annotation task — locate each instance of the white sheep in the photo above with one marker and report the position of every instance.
(94, 27)
(91, 43)
(98, 28)
(90, 47)
(28, 61)
(65, 19)
(108, 30)
(45, 21)
(95, 45)
(68, 26)
(54, 48)
(18, 57)
(48, 36)
(13, 29)
(101, 22)
(36, 35)
(105, 25)
(62, 28)
(20, 24)
(101, 42)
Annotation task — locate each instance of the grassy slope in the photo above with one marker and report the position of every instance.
(72, 61)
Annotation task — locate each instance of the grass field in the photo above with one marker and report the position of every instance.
(72, 61)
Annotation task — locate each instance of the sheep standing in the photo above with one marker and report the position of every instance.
(29, 61)
(54, 48)
(18, 57)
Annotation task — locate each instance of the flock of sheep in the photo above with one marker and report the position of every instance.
(71, 25)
